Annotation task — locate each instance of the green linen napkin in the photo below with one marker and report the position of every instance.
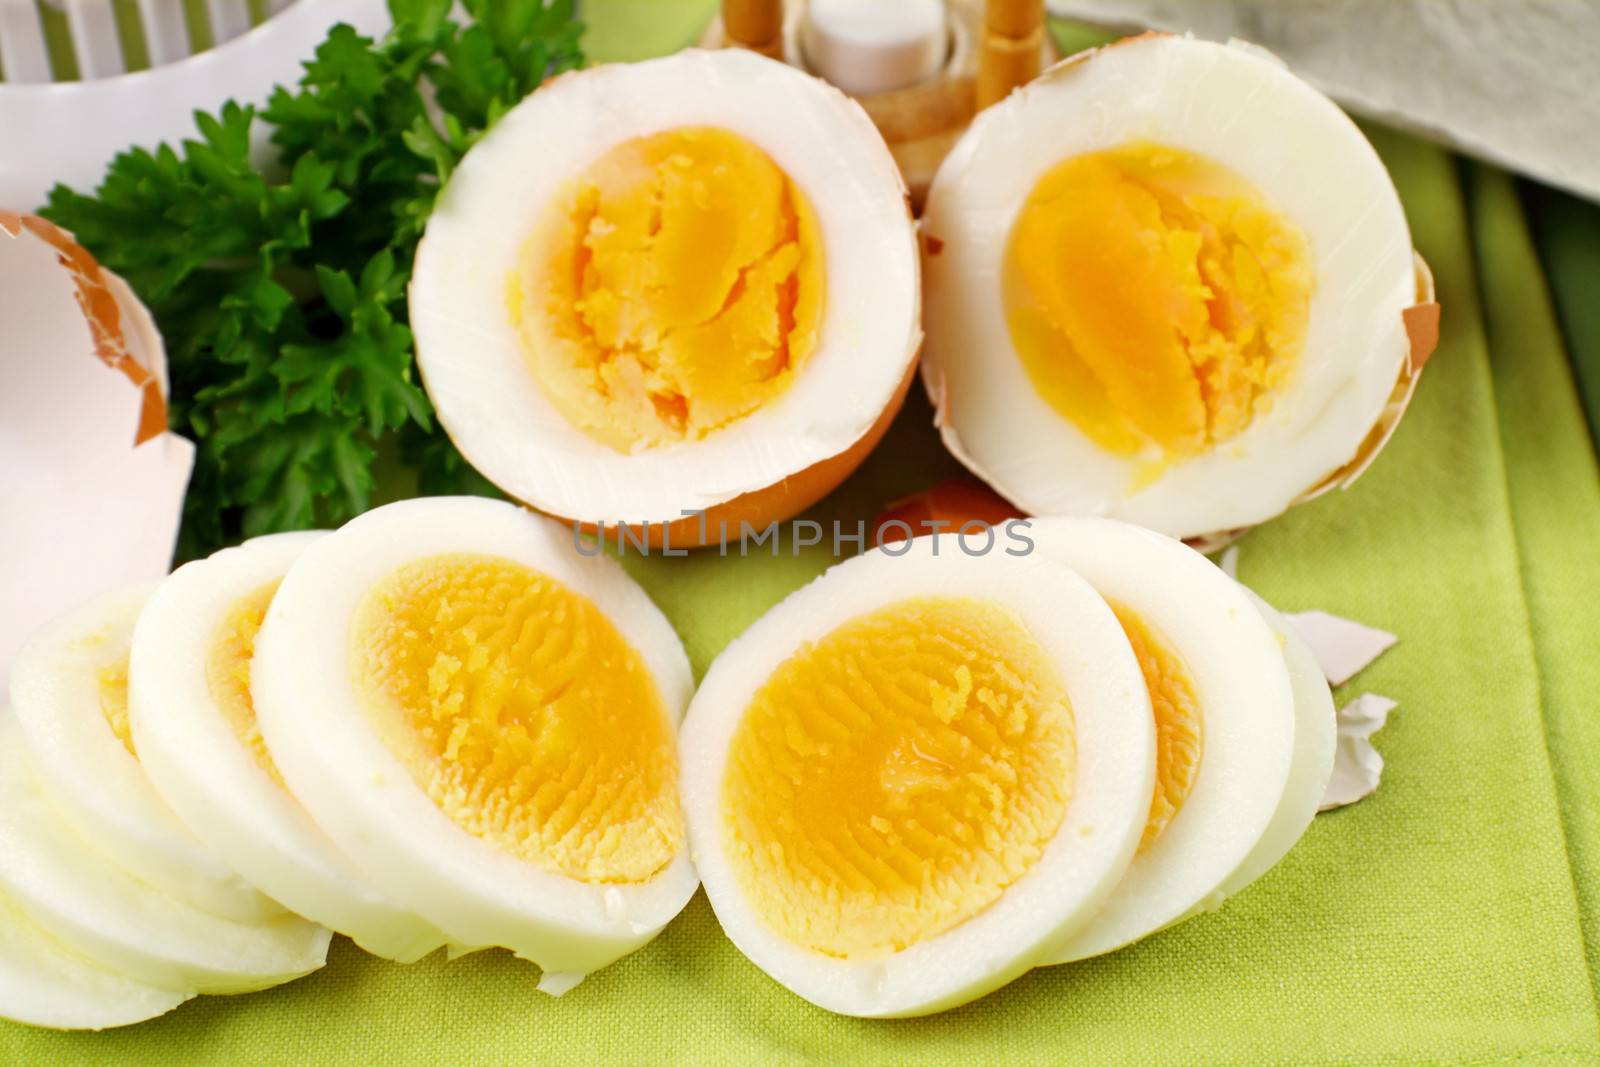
(1443, 920)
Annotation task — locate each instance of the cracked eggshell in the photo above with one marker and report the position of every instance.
(92, 482)
(766, 466)
(1373, 325)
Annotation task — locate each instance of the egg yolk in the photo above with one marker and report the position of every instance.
(233, 647)
(894, 778)
(113, 682)
(518, 707)
(1178, 721)
(675, 287)
(1155, 299)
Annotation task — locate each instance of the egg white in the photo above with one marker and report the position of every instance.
(44, 983)
(101, 788)
(200, 767)
(121, 922)
(1247, 708)
(1231, 103)
(471, 357)
(362, 795)
(1315, 741)
(1080, 866)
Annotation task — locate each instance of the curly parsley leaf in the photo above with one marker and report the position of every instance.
(280, 287)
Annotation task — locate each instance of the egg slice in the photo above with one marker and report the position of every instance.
(44, 983)
(483, 718)
(917, 776)
(1315, 743)
(1171, 283)
(1224, 719)
(195, 730)
(688, 284)
(69, 692)
(121, 922)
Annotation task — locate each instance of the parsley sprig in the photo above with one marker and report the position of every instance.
(281, 289)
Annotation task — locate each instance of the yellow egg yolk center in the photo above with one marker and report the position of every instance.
(233, 648)
(524, 714)
(113, 682)
(894, 778)
(1178, 721)
(674, 288)
(1155, 299)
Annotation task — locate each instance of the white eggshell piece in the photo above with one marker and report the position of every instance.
(1357, 767)
(1343, 647)
(86, 508)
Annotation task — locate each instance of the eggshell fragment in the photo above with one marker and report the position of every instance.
(92, 481)
(1357, 766)
(1343, 647)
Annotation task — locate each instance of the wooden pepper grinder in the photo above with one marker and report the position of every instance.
(754, 24)
(1013, 42)
(985, 49)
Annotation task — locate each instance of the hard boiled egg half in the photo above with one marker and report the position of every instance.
(483, 719)
(1171, 283)
(689, 284)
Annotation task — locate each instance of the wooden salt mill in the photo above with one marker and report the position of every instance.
(921, 101)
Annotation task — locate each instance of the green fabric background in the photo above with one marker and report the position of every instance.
(1451, 918)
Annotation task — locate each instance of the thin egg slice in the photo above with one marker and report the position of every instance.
(195, 730)
(916, 777)
(1169, 282)
(483, 718)
(689, 284)
(69, 692)
(1315, 743)
(44, 983)
(1225, 720)
(121, 922)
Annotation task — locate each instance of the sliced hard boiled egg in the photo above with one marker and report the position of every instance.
(914, 778)
(1171, 283)
(121, 922)
(1315, 743)
(484, 720)
(685, 284)
(1224, 719)
(44, 983)
(69, 692)
(195, 730)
